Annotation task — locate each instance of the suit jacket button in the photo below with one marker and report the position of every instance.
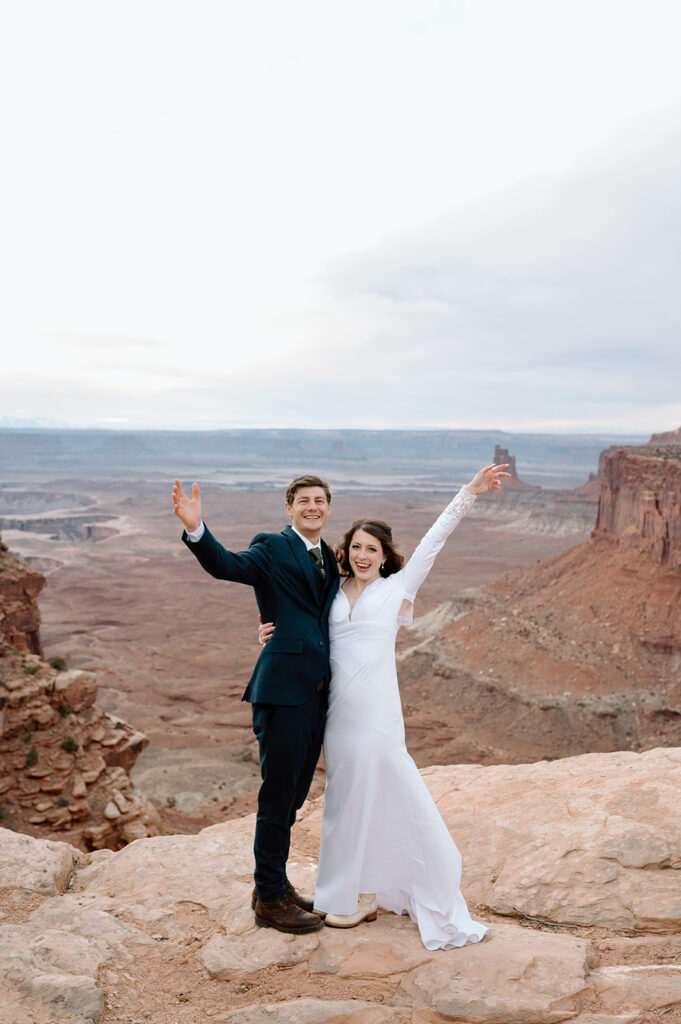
(321, 643)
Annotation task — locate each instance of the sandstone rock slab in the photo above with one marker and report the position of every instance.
(36, 865)
(213, 869)
(384, 949)
(514, 976)
(241, 957)
(644, 987)
(50, 963)
(593, 839)
(316, 1011)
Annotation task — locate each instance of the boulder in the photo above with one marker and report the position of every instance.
(35, 865)
(593, 840)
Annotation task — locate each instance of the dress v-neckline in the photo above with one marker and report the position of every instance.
(351, 607)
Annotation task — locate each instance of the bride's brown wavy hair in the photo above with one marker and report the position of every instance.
(394, 559)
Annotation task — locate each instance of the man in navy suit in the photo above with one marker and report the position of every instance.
(295, 578)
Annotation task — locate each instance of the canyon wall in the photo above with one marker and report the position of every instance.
(64, 762)
(640, 501)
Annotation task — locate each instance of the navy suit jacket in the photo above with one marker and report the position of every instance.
(290, 593)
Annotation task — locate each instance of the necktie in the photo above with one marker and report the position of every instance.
(316, 556)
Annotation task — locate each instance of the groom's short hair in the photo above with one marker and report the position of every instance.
(306, 481)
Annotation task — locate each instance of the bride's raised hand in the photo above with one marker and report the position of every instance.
(185, 508)
(488, 479)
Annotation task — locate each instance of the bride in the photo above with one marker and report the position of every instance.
(384, 842)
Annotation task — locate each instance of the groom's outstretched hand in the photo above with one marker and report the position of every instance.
(185, 508)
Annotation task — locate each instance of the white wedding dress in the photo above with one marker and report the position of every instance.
(381, 830)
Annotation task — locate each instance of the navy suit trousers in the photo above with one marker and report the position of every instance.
(290, 739)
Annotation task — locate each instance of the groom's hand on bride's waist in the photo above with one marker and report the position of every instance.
(265, 631)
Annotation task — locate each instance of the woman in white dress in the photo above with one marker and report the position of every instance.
(384, 842)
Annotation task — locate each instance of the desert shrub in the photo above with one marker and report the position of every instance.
(59, 663)
(61, 801)
(32, 756)
(69, 745)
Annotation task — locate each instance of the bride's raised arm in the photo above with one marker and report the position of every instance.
(419, 565)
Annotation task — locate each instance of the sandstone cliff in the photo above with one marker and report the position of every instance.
(668, 437)
(575, 866)
(64, 762)
(640, 502)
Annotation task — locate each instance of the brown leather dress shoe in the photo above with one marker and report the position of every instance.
(300, 901)
(285, 916)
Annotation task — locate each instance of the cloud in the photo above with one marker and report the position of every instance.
(558, 293)
(550, 305)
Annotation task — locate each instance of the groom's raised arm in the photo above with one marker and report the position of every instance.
(250, 567)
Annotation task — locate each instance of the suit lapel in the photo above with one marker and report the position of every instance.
(303, 559)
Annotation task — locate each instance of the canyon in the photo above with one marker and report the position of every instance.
(546, 627)
(541, 694)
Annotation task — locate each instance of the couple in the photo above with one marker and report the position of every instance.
(330, 660)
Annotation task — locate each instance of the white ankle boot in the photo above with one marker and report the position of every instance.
(366, 911)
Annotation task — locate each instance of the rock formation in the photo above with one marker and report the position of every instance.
(502, 455)
(668, 437)
(514, 483)
(575, 865)
(64, 762)
(640, 502)
(19, 614)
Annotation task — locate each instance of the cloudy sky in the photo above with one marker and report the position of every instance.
(367, 213)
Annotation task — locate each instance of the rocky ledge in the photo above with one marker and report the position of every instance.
(575, 865)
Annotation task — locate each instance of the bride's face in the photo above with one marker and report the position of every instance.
(365, 556)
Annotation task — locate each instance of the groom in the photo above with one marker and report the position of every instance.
(295, 578)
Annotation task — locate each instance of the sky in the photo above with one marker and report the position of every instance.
(374, 213)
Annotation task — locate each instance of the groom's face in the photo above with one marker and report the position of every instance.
(309, 510)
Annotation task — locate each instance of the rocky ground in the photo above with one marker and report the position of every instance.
(575, 865)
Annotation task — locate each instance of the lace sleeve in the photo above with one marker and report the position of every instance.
(421, 562)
